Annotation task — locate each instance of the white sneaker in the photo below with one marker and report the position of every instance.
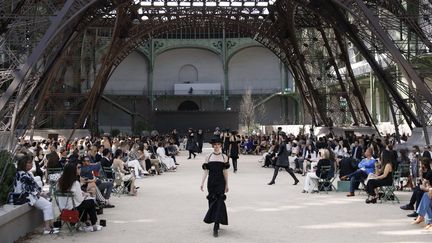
(137, 177)
(96, 227)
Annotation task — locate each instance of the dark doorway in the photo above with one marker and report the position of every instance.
(188, 106)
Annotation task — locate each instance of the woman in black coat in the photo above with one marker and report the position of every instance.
(191, 144)
(282, 161)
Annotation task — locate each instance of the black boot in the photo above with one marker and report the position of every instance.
(234, 165)
(215, 230)
(289, 170)
(276, 171)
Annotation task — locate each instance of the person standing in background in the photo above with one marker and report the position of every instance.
(200, 139)
(234, 148)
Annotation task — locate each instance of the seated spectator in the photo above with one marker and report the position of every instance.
(269, 156)
(311, 181)
(38, 163)
(365, 167)
(424, 210)
(133, 162)
(152, 164)
(168, 161)
(106, 161)
(385, 179)
(419, 190)
(25, 184)
(125, 176)
(84, 202)
(172, 150)
(347, 166)
(104, 188)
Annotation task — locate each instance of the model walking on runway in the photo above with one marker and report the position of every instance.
(282, 161)
(215, 167)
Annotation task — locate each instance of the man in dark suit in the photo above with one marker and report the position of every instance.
(106, 161)
(357, 151)
(106, 187)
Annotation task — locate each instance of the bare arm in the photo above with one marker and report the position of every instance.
(387, 170)
(225, 173)
(204, 177)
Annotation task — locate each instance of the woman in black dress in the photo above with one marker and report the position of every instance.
(215, 168)
(234, 148)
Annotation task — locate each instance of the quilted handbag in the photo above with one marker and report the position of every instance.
(69, 215)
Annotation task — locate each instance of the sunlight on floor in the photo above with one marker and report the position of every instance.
(132, 221)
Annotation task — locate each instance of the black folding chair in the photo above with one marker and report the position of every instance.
(326, 183)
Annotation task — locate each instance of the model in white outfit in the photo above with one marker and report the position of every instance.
(168, 161)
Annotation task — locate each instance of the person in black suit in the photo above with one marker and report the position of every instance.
(106, 187)
(282, 161)
(357, 151)
(106, 161)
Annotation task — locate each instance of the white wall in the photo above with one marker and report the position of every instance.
(130, 77)
(168, 65)
(254, 67)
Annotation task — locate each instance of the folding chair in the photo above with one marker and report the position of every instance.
(108, 175)
(67, 199)
(325, 184)
(162, 166)
(388, 191)
(120, 186)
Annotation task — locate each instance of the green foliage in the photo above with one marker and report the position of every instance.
(115, 132)
(7, 168)
(141, 126)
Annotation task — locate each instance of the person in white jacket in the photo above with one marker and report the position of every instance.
(168, 161)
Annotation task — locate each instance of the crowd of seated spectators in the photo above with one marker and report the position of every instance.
(363, 161)
(90, 169)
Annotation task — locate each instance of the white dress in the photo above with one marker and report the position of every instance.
(168, 161)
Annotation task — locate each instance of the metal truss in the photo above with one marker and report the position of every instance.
(40, 39)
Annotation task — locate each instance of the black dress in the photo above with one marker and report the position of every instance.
(217, 212)
(234, 149)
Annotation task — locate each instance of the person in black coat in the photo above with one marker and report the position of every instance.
(234, 149)
(200, 139)
(191, 144)
(282, 161)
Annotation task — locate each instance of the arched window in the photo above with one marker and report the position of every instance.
(188, 74)
(188, 105)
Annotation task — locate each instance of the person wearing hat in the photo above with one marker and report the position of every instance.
(282, 161)
(234, 148)
(216, 169)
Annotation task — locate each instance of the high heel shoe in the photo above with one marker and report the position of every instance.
(271, 183)
(296, 182)
(418, 220)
